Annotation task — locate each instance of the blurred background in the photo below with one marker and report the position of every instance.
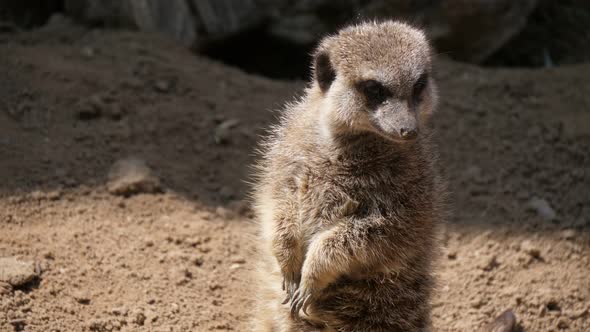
(274, 38)
(128, 129)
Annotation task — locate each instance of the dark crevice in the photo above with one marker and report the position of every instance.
(256, 51)
(29, 14)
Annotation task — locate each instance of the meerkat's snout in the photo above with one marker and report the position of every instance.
(394, 113)
(395, 120)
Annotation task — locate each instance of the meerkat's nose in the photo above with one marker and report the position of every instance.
(408, 134)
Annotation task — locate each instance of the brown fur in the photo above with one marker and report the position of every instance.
(348, 208)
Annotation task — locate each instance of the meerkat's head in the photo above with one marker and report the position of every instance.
(375, 77)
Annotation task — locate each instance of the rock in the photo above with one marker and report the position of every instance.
(224, 213)
(54, 195)
(90, 108)
(223, 18)
(6, 27)
(97, 325)
(197, 260)
(302, 29)
(191, 22)
(504, 323)
(116, 111)
(138, 317)
(472, 173)
(88, 52)
(227, 193)
(57, 22)
(215, 286)
(182, 276)
(474, 30)
(132, 176)
(241, 207)
(452, 255)
(478, 303)
(18, 324)
(531, 249)
(162, 86)
(489, 263)
(193, 241)
(568, 234)
(37, 195)
(81, 297)
(223, 131)
(15, 272)
(171, 17)
(5, 288)
(120, 311)
(542, 208)
(151, 316)
(562, 324)
(97, 106)
(238, 260)
(468, 30)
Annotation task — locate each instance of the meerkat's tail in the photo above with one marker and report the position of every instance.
(506, 322)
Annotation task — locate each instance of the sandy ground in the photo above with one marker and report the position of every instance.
(515, 145)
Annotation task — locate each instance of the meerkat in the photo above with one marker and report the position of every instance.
(348, 194)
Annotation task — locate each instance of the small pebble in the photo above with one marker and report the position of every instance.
(132, 176)
(530, 248)
(542, 208)
(162, 86)
(16, 272)
(568, 234)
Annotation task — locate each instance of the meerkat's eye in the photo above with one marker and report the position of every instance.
(419, 87)
(374, 91)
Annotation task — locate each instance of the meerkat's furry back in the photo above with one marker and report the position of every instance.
(347, 192)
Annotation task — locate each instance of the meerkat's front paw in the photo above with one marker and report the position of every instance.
(302, 298)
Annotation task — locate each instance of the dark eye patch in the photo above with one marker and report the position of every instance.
(419, 87)
(375, 92)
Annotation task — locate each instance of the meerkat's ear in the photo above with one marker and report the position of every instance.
(324, 73)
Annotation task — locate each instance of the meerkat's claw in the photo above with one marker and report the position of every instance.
(306, 303)
(301, 299)
(290, 285)
(291, 288)
(295, 305)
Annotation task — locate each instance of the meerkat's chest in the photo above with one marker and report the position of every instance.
(329, 198)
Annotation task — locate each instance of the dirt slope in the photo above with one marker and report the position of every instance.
(516, 145)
